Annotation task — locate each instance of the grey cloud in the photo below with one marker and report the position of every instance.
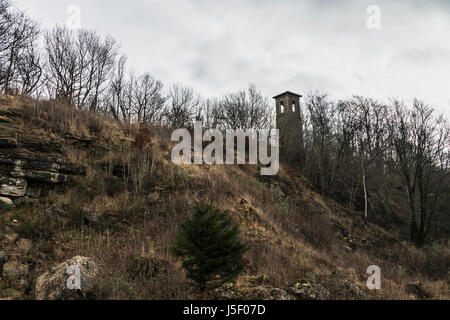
(220, 46)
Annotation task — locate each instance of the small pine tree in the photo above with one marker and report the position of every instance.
(210, 247)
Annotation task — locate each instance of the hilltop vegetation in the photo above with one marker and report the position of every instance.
(86, 170)
(125, 209)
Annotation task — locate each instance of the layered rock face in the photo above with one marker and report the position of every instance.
(27, 169)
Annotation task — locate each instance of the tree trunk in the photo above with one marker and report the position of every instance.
(365, 194)
(363, 171)
(412, 218)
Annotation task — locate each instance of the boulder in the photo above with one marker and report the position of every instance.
(14, 270)
(228, 291)
(3, 257)
(23, 246)
(10, 238)
(306, 290)
(267, 292)
(354, 290)
(6, 203)
(53, 285)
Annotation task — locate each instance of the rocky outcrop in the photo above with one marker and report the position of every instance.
(267, 292)
(15, 273)
(250, 290)
(14, 270)
(258, 288)
(10, 238)
(250, 211)
(53, 285)
(29, 162)
(12, 187)
(22, 246)
(81, 140)
(29, 166)
(307, 290)
(14, 262)
(3, 257)
(6, 203)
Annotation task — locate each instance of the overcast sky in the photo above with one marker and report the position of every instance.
(219, 46)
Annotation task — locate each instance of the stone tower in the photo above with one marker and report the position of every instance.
(289, 124)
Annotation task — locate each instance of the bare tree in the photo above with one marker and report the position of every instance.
(358, 149)
(79, 65)
(320, 140)
(208, 112)
(148, 99)
(6, 25)
(99, 57)
(29, 70)
(62, 64)
(371, 139)
(421, 144)
(18, 56)
(244, 110)
(115, 100)
(183, 106)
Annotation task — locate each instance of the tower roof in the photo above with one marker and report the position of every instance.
(287, 93)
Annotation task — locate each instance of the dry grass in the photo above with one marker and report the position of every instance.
(139, 198)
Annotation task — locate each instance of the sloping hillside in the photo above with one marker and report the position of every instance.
(73, 183)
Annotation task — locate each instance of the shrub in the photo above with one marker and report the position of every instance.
(210, 247)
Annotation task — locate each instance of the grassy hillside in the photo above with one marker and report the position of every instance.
(124, 209)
